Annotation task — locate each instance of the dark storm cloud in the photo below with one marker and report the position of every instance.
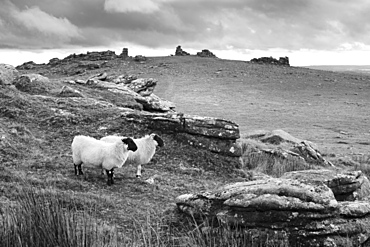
(214, 24)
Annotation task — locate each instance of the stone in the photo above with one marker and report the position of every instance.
(101, 76)
(125, 79)
(32, 83)
(284, 61)
(54, 61)
(124, 53)
(7, 74)
(149, 103)
(140, 58)
(69, 92)
(213, 134)
(205, 53)
(346, 186)
(27, 65)
(181, 52)
(197, 125)
(154, 103)
(286, 145)
(143, 86)
(278, 136)
(302, 213)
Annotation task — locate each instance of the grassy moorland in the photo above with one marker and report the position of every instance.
(37, 182)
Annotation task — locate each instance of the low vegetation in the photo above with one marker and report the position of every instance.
(42, 202)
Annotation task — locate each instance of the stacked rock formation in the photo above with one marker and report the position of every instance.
(180, 52)
(205, 53)
(124, 53)
(270, 60)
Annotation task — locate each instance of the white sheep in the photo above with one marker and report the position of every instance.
(146, 147)
(92, 152)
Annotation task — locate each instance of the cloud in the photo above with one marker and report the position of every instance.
(32, 27)
(144, 6)
(197, 24)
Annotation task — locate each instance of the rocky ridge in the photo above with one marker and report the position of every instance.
(213, 134)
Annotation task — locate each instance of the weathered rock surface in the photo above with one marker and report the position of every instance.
(180, 52)
(205, 53)
(346, 186)
(286, 145)
(150, 103)
(69, 92)
(7, 74)
(270, 60)
(216, 135)
(28, 65)
(32, 83)
(143, 86)
(140, 58)
(303, 213)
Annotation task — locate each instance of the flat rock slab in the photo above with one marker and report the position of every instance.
(307, 213)
(346, 186)
(216, 135)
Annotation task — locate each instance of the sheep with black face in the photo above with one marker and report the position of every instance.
(99, 154)
(146, 147)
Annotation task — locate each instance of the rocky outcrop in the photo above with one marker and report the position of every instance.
(32, 83)
(7, 74)
(270, 60)
(124, 53)
(69, 92)
(346, 186)
(28, 65)
(150, 103)
(143, 86)
(205, 53)
(297, 213)
(216, 135)
(213, 134)
(140, 58)
(124, 79)
(284, 145)
(92, 56)
(180, 52)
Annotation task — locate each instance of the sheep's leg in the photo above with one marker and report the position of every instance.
(138, 172)
(78, 170)
(110, 174)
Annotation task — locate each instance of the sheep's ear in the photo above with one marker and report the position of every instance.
(158, 140)
(131, 145)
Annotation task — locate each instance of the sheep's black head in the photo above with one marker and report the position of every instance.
(130, 144)
(157, 139)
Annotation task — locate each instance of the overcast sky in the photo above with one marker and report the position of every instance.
(309, 32)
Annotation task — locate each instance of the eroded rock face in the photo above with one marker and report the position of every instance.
(270, 60)
(143, 86)
(205, 53)
(346, 186)
(306, 213)
(180, 52)
(7, 74)
(214, 134)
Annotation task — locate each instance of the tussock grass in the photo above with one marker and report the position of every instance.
(362, 163)
(45, 219)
